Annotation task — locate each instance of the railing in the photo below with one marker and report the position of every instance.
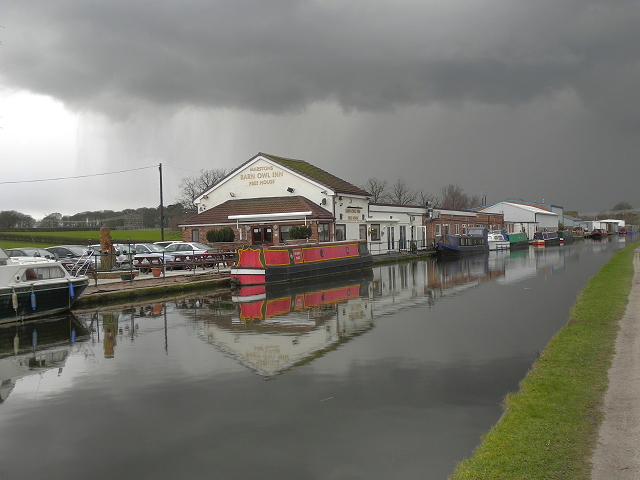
(201, 260)
(383, 247)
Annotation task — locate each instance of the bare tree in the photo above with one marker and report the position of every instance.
(453, 198)
(192, 187)
(378, 190)
(427, 199)
(474, 201)
(401, 194)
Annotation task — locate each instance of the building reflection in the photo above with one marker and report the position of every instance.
(275, 328)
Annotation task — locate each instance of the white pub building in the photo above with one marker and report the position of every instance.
(264, 197)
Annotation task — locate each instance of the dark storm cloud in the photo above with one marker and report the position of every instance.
(283, 55)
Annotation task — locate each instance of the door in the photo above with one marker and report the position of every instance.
(261, 235)
(391, 238)
(403, 237)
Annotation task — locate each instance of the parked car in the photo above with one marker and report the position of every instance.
(30, 252)
(166, 243)
(77, 259)
(174, 250)
(68, 251)
(148, 248)
(122, 251)
(144, 255)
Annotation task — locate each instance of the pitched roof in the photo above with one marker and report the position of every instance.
(257, 206)
(316, 174)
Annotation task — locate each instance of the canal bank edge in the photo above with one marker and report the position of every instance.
(140, 289)
(137, 290)
(551, 426)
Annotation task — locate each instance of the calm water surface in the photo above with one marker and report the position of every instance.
(391, 376)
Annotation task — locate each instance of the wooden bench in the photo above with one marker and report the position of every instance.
(146, 262)
(201, 260)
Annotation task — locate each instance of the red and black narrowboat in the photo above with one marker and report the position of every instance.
(259, 264)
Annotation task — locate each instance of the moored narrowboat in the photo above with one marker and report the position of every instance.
(566, 237)
(545, 239)
(518, 240)
(473, 243)
(260, 264)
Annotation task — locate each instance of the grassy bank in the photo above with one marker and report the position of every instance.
(550, 426)
(41, 239)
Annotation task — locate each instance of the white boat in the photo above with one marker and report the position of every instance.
(497, 240)
(34, 287)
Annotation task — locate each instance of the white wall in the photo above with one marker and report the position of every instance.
(263, 178)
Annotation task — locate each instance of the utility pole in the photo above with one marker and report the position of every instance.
(161, 207)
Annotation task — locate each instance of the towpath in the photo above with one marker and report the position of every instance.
(617, 453)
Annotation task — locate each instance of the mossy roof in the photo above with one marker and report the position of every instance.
(313, 173)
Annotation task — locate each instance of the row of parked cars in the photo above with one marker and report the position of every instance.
(87, 258)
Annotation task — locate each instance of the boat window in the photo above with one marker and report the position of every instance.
(43, 273)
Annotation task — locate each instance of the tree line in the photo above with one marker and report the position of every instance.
(451, 197)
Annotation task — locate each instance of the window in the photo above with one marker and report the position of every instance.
(284, 232)
(362, 230)
(464, 228)
(438, 230)
(43, 273)
(323, 232)
(457, 229)
(375, 232)
(195, 235)
(341, 232)
(421, 236)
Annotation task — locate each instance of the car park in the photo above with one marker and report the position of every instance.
(30, 252)
(77, 259)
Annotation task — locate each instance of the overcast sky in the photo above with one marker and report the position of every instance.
(537, 100)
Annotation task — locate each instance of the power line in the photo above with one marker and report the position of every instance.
(79, 176)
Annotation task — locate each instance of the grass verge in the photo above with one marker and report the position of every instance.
(550, 426)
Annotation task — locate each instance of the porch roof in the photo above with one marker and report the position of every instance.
(248, 209)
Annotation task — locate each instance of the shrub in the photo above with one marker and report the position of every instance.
(299, 231)
(225, 234)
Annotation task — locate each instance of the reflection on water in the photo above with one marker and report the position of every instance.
(393, 374)
(32, 348)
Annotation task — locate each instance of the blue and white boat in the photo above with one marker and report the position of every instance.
(34, 287)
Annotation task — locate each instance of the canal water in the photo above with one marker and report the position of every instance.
(395, 374)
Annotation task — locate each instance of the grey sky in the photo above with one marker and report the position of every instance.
(535, 100)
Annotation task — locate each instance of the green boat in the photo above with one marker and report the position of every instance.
(518, 240)
(566, 236)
